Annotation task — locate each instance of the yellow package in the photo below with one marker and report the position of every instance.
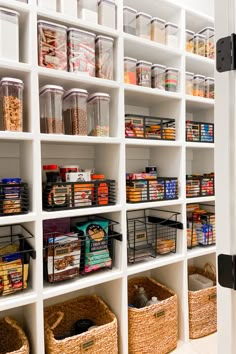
(12, 277)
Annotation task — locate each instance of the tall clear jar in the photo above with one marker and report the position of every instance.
(210, 87)
(129, 20)
(189, 83)
(189, 47)
(11, 104)
(199, 85)
(158, 76)
(172, 34)
(130, 71)
(143, 23)
(9, 34)
(75, 112)
(104, 57)
(143, 71)
(99, 112)
(172, 80)
(209, 33)
(158, 32)
(51, 120)
(81, 51)
(199, 44)
(107, 13)
(88, 10)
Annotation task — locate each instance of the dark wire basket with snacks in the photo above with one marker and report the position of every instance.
(87, 248)
(73, 195)
(199, 132)
(14, 198)
(200, 185)
(15, 254)
(151, 232)
(145, 127)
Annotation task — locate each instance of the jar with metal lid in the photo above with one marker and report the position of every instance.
(88, 10)
(158, 32)
(48, 4)
(172, 79)
(81, 51)
(130, 70)
(172, 34)
(129, 20)
(189, 47)
(199, 85)
(98, 112)
(75, 112)
(199, 44)
(209, 33)
(143, 23)
(9, 30)
(158, 76)
(210, 87)
(104, 57)
(51, 120)
(11, 104)
(107, 13)
(143, 70)
(189, 83)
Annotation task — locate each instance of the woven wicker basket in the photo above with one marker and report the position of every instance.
(12, 338)
(153, 329)
(60, 318)
(202, 305)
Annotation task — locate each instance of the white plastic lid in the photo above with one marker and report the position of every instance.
(130, 59)
(199, 77)
(209, 78)
(81, 31)
(158, 20)
(51, 24)
(143, 14)
(207, 29)
(50, 87)
(199, 35)
(104, 37)
(190, 32)
(143, 62)
(130, 9)
(171, 25)
(158, 66)
(11, 79)
(75, 90)
(11, 12)
(98, 94)
(172, 69)
(189, 73)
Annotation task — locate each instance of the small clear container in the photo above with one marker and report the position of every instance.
(158, 76)
(129, 19)
(51, 120)
(9, 34)
(199, 85)
(143, 72)
(99, 112)
(189, 83)
(104, 57)
(48, 4)
(172, 80)
(88, 10)
(69, 7)
(199, 44)
(189, 47)
(158, 32)
(107, 13)
(75, 112)
(209, 33)
(81, 51)
(172, 34)
(11, 104)
(210, 87)
(130, 71)
(143, 23)
(52, 45)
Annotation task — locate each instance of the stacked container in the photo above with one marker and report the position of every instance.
(130, 70)
(143, 23)
(189, 83)
(158, 33)
(172, 79)
(199, 44)
(199, 85)
(88, 10)
(210, 87)
(9, 26)
(104, 57)
(144, 73)
(189, 47)
(158, 76)
(129, 20)
(171, 34)
(75, 112)
(209, 34)
(98, 112)
(107, 13)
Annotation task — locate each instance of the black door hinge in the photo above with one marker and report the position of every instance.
(226, 53)
(227, 271)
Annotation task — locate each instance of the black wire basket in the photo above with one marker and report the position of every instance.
(199, 132)
(14, 199)
(200, 186)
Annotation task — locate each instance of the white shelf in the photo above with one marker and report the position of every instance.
(200, 251)
(194, 103)
(17, 219)
(72, 139)
(195, 145)
(146, 142)
(200, 200)
(16, 5)
(5, 135)
(158, 204)
(15, 66)
(199, 64)
(18, 300)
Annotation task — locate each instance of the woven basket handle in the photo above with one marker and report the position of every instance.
(210, 268)
(59, 316)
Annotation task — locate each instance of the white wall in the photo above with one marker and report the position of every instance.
(206, 6)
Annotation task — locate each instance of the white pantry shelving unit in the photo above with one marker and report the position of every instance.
(23, 154)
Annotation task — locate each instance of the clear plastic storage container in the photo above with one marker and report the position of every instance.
(52, 45)
(51, 121)
(143, 71)
(99, 111)
(209, 33)
(70, 7)
(107, 13)
(143, 23)
(81, 51)
(48, 4)
(88, 10)
(199, 44)
(210, 87)
(11, 104)
(129, 19)
(158, 32)
(75, 112)
(130, 71)
(158, 76)
(189, 47)
(189, 83)
(199, 85)
(172, 80)
(104, 57)
(172, 34)
(9, 34)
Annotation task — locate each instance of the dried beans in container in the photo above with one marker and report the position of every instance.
(99, 109)
(104, 57)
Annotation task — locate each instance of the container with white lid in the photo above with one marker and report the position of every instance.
(81, 51)
(158, 76)
(130, 70)
(107, 13)
(11, 104)
(199, 85)
(88, 10)
(98, 112)
(210, 87)
(51, 121)
(143, 71)
(172, 79)
(189, 83)
(158, 33)
(143, 23)
(199, 44)
(69, 7)
(189, 41)
(104, 57)
(9, 34)
(209, 33)
(48, 4)
(129, 20)
(75, 112)
(172, 34)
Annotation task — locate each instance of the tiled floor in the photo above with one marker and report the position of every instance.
(206, 345)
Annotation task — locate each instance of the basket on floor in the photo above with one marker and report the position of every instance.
(60, 319)
(12, 337)
(153, 329)
(203, 305)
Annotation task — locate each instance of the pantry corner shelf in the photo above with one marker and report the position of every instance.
(157, 204)
(199, 103)
(199, 145)
(200, 200)
(200, 251)
(199, 64)
(18, 300)
(152, 142)
(72, 139)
